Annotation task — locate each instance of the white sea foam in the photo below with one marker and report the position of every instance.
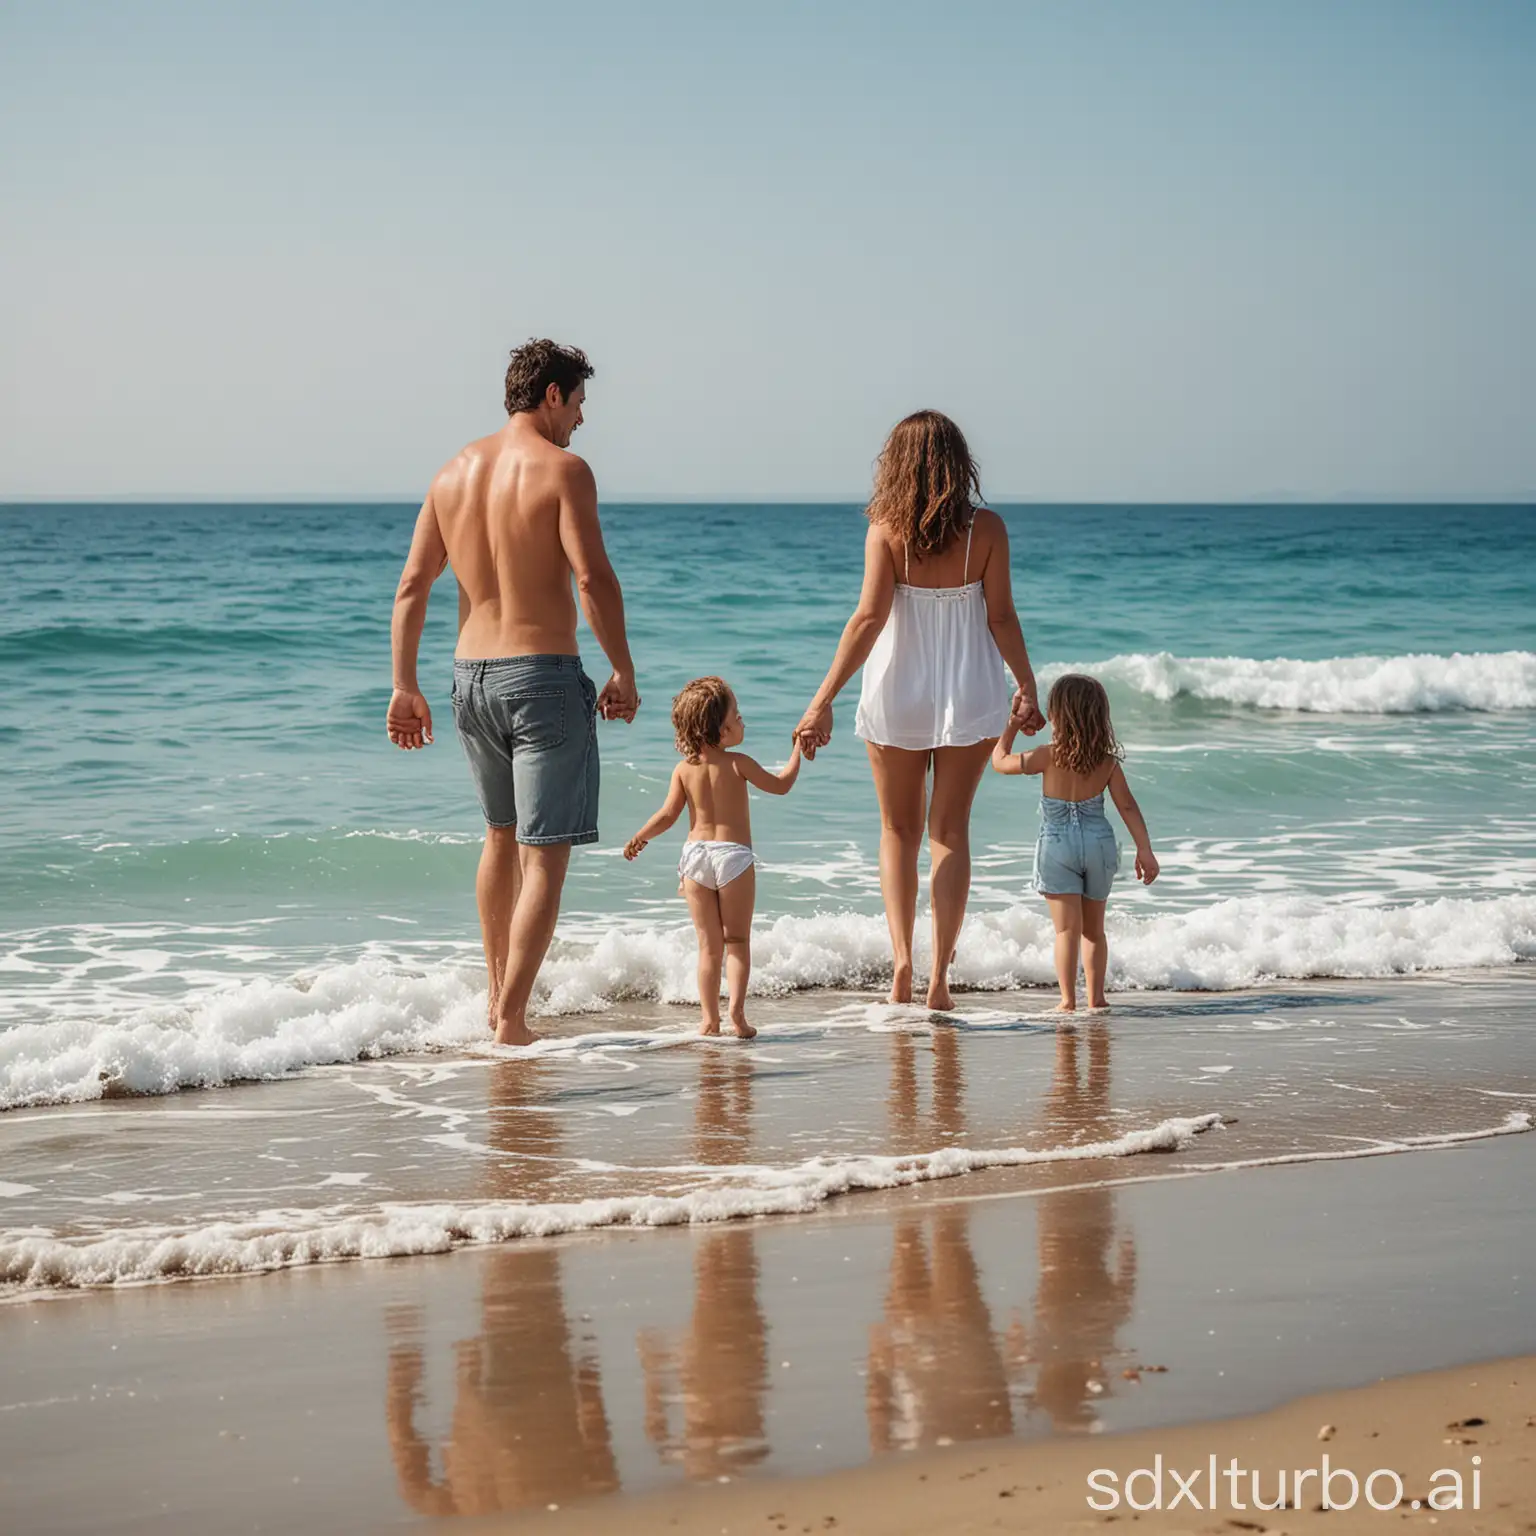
(250, 1030)
(267, 1028)
(288, 1239)
(1343, 685)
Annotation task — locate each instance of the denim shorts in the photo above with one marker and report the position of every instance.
(1077, 853)
(528, 725)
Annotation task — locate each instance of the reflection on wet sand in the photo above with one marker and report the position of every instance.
(936, 1368)
(704, 1396)
(1087, 1277)
(529, 1425)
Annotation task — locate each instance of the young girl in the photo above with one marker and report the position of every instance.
(715, 871)
(1076, 856)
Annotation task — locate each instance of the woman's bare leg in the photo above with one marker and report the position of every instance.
(1095, 951)
(1067, 914)
(704, 905)
(736, 902)
(956, 773)
(901, 786)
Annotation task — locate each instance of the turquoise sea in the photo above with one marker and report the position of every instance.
(1329, 713)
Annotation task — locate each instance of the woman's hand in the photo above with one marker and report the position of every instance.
(1147, 867)
(814, 730)
(1025, 713)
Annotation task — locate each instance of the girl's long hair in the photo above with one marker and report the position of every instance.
(1082, 734)
(927, 486)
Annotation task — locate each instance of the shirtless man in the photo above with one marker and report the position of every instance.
(515, 515)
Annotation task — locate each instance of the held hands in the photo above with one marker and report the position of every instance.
(408, 722)
(814, 730)
(634, 847)
(1025, 713)
(619, 699)
(1147, 867)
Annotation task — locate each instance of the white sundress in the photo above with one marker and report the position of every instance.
(935, 677)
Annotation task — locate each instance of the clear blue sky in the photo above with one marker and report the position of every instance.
(1140, 249)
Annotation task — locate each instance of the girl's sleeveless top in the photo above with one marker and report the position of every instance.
(935, 677)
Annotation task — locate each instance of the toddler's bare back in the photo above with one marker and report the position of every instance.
(718, 809)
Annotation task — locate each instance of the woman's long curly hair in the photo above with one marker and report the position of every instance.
(1082, 734)
(927, 486)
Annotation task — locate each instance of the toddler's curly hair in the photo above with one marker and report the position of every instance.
(698, 715)
(1082, 734)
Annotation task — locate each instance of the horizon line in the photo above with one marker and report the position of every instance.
(738, 499)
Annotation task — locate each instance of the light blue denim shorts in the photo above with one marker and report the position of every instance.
(1077, 853)
(528, 725)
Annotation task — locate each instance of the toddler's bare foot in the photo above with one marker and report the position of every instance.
(744, 1031)
(901, 984)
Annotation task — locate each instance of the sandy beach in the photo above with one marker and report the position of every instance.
(1474, 1471)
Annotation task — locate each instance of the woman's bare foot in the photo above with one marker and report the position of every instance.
(1098, 1007)
(744, 1031)
(515, 1034)
(710, 1027)
(1066, 1005)
(901, 984)
(939, 998)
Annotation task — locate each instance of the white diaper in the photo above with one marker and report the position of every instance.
(714, 864)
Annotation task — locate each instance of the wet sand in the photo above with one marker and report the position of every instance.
(592, 1370)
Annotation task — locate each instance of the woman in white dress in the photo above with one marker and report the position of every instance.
(934, 625)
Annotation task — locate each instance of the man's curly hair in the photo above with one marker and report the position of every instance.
(698, 715)
(1082, 734)
(535, 366)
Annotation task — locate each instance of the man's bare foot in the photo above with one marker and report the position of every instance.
(901, 984)
(510, 1033)
(744, 1031)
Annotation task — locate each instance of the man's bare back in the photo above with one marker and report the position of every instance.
(511, 510)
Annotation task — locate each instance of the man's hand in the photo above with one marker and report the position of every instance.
(619, 699)
(634, 847)
(1147, 867)
(1026, 711)
(409, 721)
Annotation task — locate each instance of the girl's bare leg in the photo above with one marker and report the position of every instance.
(901, 786)
(704, 905)
(736, 902)
(1095, 951)
(1067, 914)
(956, 773)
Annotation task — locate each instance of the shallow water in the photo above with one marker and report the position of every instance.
(645, 1125)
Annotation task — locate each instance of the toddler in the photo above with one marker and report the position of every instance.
(715, 871)
(1076, 856)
